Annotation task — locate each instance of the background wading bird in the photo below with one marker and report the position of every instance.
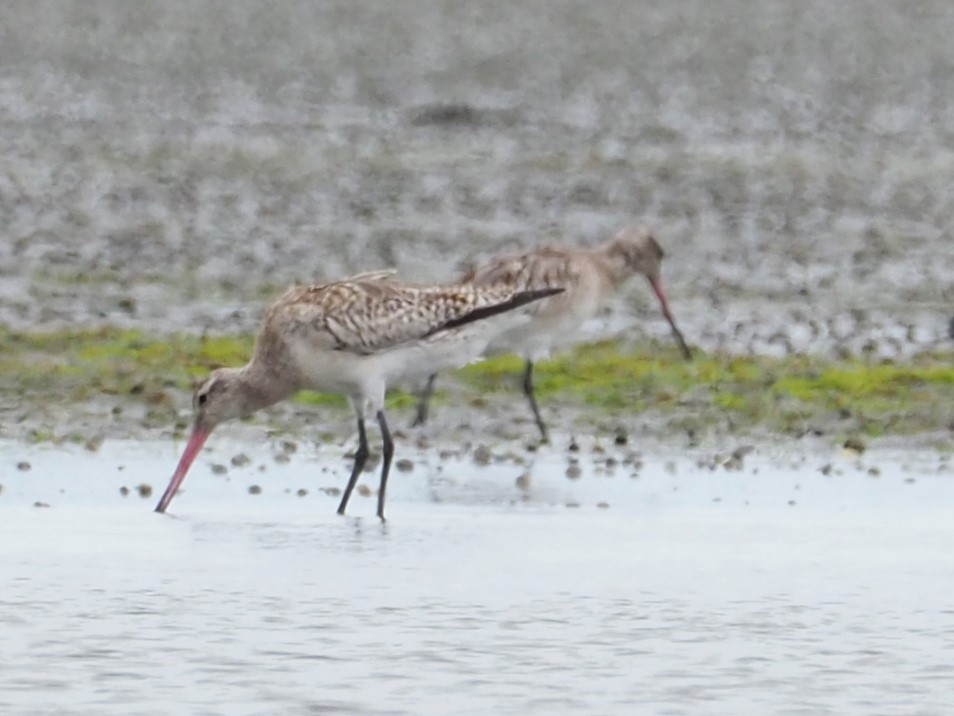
(590, 276)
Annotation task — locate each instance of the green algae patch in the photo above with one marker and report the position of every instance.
(785, 395)
(788, 395)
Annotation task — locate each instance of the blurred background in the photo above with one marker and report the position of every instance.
(173, 165)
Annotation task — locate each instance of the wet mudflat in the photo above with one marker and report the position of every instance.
(774, 588)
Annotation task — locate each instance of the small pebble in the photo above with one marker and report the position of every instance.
(874, 472)
(301, 492)
(573, 471)
(603, 505)
(282, 458)
(254, 490)
(792, 503)
(523, 482)
(825, 469)
(854, 445)
(620, 439)
(404, 465)
(733, 463)
(23, 466)
(910, 480)
(574, 445)
(124, 491)
(240, 460)
(482, 455)
(144, 489)
(219, 468)
(40, 504)
(573, 505)
(94, 443)
(289, 446)
(333, 491)
(364, 490)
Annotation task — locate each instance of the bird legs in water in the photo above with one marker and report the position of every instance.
(361, 457)
(531, 398)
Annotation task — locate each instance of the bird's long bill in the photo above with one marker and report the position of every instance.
(676, 333)
(196, 441)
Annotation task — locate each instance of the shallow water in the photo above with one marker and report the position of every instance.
(693, 592)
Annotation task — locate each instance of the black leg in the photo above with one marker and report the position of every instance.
(528, 391)
(386, 461)
(360, 458)
(424, 403)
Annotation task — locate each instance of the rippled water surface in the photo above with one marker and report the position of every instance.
(769, 590)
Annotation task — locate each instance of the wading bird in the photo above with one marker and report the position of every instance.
(353, 337)
(590, 276)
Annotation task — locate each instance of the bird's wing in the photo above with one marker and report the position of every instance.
(365, 317)
(542, 268)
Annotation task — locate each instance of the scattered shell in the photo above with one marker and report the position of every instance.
(482, 455)
(289, 446)
(254, 490)
(523, 482)
(124, 491)
(219, 469)
(364, 490)
(404, 465)
(333, 491)
(144, 489)
(743, 450)
(733, 463)
(23, 466)
(241, 460)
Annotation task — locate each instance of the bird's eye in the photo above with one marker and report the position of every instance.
(202, 398)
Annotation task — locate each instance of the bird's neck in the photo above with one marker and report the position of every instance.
(612, 262)
(262, 387)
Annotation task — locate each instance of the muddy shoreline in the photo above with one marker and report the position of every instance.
(176, 183)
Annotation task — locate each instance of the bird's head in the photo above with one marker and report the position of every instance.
(637, 251)
(220, 397)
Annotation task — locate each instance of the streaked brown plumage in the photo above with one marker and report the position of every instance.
(590, 276)
(352, 337)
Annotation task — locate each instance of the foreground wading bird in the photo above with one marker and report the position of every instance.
(589, 277)
(352, 337)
